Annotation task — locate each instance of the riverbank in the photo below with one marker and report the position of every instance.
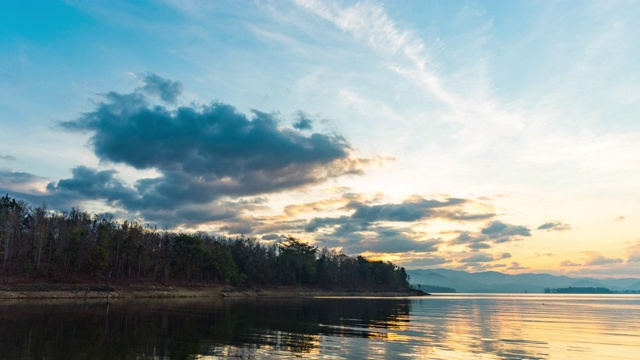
(46, 290)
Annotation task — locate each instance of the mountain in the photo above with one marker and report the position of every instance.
(495, 282)
(635, 286)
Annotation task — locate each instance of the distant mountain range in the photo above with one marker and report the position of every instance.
(495, 282)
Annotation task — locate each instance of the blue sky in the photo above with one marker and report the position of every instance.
(476, 135)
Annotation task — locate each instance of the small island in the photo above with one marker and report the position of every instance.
(76, 254)
(579, 290)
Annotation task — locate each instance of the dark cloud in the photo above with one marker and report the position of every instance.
(389, 240)
(203, 153)
(472, 241)
(363, 229)
(316, 223)
(237, 229)
(554, 226)
(87, 183)
(94, 184)
(496, 232)
(275, 237)
(501, 232)
(414, 209)
(303, 122)
(215, 145)
(411, 210)
(634, 258)
(354, 237)
(167, 90)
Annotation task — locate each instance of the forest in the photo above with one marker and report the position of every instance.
(39, 243)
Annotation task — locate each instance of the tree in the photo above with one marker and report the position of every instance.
(298, 261)
(71, 244)
(11, 215)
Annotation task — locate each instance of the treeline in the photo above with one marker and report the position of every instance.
(578, 290)
(434, 288)
(65, 246)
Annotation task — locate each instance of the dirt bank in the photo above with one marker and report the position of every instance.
(16, 289)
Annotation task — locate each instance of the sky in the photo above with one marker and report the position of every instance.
(469, 135)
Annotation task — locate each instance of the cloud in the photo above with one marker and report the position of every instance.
(411, 210)
(495, 232)
(407, 211)
(480, 258)
(275, 237)
(568, 263)
(94, 184)
(215, 142)
(203, 153)
(319, 206)
(544, 254)
(414, 209)
(370, 23)
(303, 122)
(355, 236)
(14, 182)
(601, 260)
(166, 89)
(554, 226)
(482, 261)
(386, 227)
(9, 178)
(316, 223)
(516, 266)
(389, 240)
(478, 245)
(498, 231)
(634, 258)
(7, 158)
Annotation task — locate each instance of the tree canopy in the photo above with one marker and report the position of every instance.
(62, 246)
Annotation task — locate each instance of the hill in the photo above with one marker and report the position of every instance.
(495, 282)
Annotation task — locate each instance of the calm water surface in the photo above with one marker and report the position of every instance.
(461, 326)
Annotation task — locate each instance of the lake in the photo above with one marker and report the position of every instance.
(454, 326)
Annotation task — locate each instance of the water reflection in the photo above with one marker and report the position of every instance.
(529, 326)
(438, 327)
(178, 329)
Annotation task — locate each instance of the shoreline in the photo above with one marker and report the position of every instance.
(93, 291)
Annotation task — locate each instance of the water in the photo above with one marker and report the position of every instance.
(465, 326)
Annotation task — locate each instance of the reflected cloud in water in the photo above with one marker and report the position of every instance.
(437, 327)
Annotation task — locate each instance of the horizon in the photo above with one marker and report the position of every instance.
(605, 277)
(473, 136)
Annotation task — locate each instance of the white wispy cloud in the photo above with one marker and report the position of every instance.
(370, 23)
